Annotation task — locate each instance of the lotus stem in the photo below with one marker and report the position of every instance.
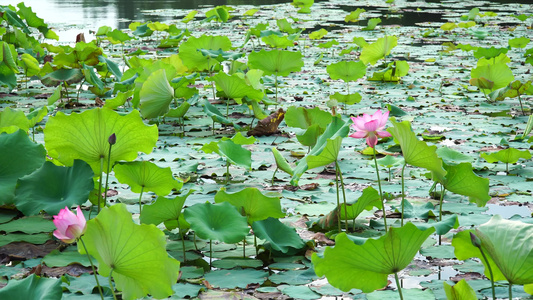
(276, 84)
(510, 291)
(398, 285)
(94, 270)
(519, 100)
(210, 253)
(182, 240)
(338, 170)
(107, 177)
(273, 176)
(111, 286)
(490, 271)
(338, 201)
(380, 191)
(140, 199)
(255, 245)
(403, 189)
(244, 247)
(227, 172)
(100, 183)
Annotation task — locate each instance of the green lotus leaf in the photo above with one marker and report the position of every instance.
(239, 139)
(111, 66)
(495, 71)
(285, 26)
(304, 118)
(372, 23)
(318, 34)
(347, 70)
(69, 76)
(275, 41)
(134, 255)
(489, 53)
(29, 64)
(303, 5)
(281, 162)
(460, 291)
(144, 176)
(329, 154)
(337, 128)
(422, 211)
(20, 156)
(276, 62)
(189, 17)
(235, 87)
(195, 60)
(12, 120)
(390, 161)
(368, 200)
(231, 151)
(519, 42)
(36, 22)
(51, 188)
(482, 83)
(164, 210)
(310, 136)
(354, 15)
(507, 245)
(85, 136)
(156, 95)
(378, 50)
(509, 155)
(252, 203)
(33, 287)
(219, 222)
(461, 179)
(211, 111)
(279, 236)
(393, 72)
(37, 116)
(349, 99)
(366, 264)
(415, 152)
(450, 156)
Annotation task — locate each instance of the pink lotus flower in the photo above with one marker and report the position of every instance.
(370, 127)
(69, 226)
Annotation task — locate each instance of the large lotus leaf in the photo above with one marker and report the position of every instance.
(252, 203)
(69, 76)
(233, 152)
(29, 64)
(163, 210)
(135, 254)
(85, 136)
(12, 120)
(20, 156)
(347, 70)
(498, 73)
(276, 62)
(302, 117)
(366, 265)
(211, 111)
(379, 49)
(510, 155)
(235, 87)
(507, 244)
(450, 156)
(310, 136)
(276, 41)
(279, 236)
(156, 95)
(337, 128)
(368, 200)
(328, 155)
(33, 287)
(220, 222)
(144, 176)
(462, 180)
(194, 59)
(415, 152)
(393, 72)
(460, 291)
(281, 162)
(51, 188)
(348, 99)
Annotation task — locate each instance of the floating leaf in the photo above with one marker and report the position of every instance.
(519, 42)
(378, 50)
(279, 236)
(252, 203)
(235, 278)
(144, 176)
(219, 222)
(20, 156)
(84, 136)
(508, 156)
(51, 188)
(348, 99)
(135, 255)
(32, 287)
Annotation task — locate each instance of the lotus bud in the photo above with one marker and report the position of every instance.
(475, 240)
(112, 139)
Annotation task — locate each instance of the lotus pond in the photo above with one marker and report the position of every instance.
(291, 151)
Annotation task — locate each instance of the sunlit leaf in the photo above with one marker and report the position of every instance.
(195, 60)
(143, 176)
(156, 95)
(509, 155)
(32, 287)
(134, 255)
(281, 162)
(278, 62)
(347, 70)
(164, 210)
(460, 291)
(278, 236)
(378, 50)
(252, 203)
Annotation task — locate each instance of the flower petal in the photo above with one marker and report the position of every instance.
(382, 134)
(359, 134)
(371, 126)
(372, 140)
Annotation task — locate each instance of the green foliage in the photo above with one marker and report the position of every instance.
(508, 156)
(165, 210)
(379, 49)
(461, 179)
(134, 255)
(195, 60)
(303, 5)
(232, 150)
(144, 176)
(12, 120)
(33, 287)
(368, 200)
(51, 188)
(281, 162)
(372, 23)
(393, 72)
(314, 121)
(156, 95)
(219, 222)
(276, 62)
(277, 235)
(506, 245)
(347, 70)
(252, 203)
(20, 156)
(354, 15)
(460, 291)
(495, 71)
(318, 34)
(235, 87)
